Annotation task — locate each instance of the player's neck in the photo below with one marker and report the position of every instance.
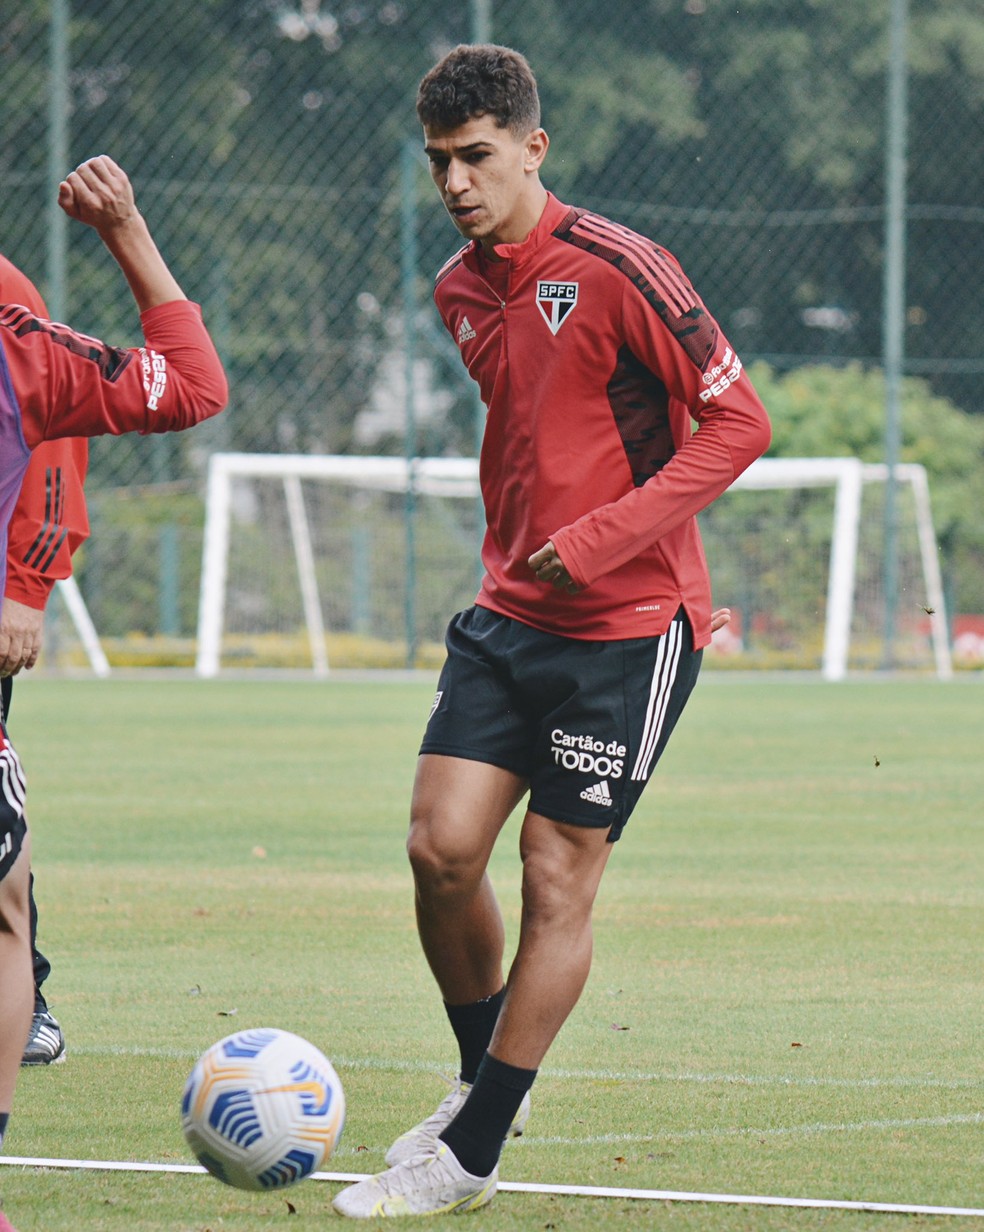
(521, 225)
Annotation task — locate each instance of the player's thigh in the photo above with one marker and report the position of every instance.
(562, 864)
(459, 807)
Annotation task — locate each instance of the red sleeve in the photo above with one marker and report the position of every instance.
(733, 430)
(68, 384)
(49, 520)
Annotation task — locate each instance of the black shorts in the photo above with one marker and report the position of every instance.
(584, 722)
(13, 794)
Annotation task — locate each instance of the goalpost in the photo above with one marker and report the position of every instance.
(367, 504)
(452, 478)
(848, 477)
(68, 588)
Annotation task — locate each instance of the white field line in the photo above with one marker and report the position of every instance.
(602, 1075)
(778, 1131)
(576, 1191)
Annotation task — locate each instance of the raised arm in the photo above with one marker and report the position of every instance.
(70, 384)
(99, 194)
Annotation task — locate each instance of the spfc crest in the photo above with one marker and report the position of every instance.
(556, 302)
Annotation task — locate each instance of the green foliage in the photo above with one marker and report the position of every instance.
(948, 34)
(618, 99)
(268, 164)
(144, 528)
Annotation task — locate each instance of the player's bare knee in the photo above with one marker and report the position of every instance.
(555, 893)
(440, 867)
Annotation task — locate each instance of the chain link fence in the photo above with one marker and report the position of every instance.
(274, 148)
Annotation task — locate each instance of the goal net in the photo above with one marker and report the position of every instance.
(310, 561)
(796, 547)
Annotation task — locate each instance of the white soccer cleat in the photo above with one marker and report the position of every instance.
(423, 1138)
(434, 1184)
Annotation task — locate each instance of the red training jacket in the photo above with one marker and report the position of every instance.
(594, 354)
(50, 519)
(55, 383)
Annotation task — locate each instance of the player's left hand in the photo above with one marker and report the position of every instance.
(21, 635)
(98, 192)
(549, 568)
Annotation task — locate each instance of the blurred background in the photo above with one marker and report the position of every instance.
(795, 155)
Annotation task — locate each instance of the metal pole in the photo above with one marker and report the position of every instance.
(481, 32)
(479, 412)
(481, 21)
(57, 157)
(409, 259)
(893, 317)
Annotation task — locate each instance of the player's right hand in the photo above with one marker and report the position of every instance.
(549, 568)
(21, 637)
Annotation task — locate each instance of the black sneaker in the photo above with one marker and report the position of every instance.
(45, 1044)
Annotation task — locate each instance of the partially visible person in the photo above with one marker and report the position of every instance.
(48, 524)
(55, 382)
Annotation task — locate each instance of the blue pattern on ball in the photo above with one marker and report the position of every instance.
(301, 1071)
(294, 1166)
(248, 1043)
(234, 1116)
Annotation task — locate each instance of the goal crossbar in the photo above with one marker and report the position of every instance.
(458, 477)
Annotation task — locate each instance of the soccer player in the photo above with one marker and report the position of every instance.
(54, 383)
(593, 354)
(48, 524)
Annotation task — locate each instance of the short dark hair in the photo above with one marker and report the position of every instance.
(477, 79)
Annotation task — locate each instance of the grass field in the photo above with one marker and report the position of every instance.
(787, 989)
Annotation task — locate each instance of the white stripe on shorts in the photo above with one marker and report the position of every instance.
(12, 782)
(664, 676)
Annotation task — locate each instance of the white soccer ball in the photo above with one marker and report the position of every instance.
(262, 1109)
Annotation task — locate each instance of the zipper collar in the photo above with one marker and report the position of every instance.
(554, 212)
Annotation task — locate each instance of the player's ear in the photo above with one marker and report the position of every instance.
(537, 144)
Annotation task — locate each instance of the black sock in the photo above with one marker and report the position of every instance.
(476, 1134)
(4, 1118)
(473, 1025)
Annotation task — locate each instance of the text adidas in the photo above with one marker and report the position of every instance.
(599, 794)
